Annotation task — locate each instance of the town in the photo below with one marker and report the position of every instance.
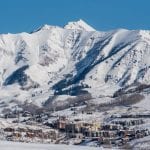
(47, 127)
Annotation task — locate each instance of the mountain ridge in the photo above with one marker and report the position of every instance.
(72, 60)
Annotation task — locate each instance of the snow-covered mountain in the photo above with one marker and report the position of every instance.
(72, 60)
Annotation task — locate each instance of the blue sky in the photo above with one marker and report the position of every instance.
(27, 15)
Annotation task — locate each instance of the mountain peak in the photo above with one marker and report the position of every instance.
(79, 25)
(44, 27)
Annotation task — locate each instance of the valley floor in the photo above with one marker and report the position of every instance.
(28, 146)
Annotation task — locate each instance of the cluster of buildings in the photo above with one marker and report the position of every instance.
(24, 134)
(116, 132)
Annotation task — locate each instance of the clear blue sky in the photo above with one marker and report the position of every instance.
(27, 15)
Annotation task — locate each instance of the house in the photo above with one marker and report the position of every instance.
(61, 123)
(26, 114)
(72, 128)
(111, 127)
(9, 129)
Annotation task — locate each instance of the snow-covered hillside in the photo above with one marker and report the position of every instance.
(71, 60)
(25, 146)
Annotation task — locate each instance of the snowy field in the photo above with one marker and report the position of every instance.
(25, 146)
